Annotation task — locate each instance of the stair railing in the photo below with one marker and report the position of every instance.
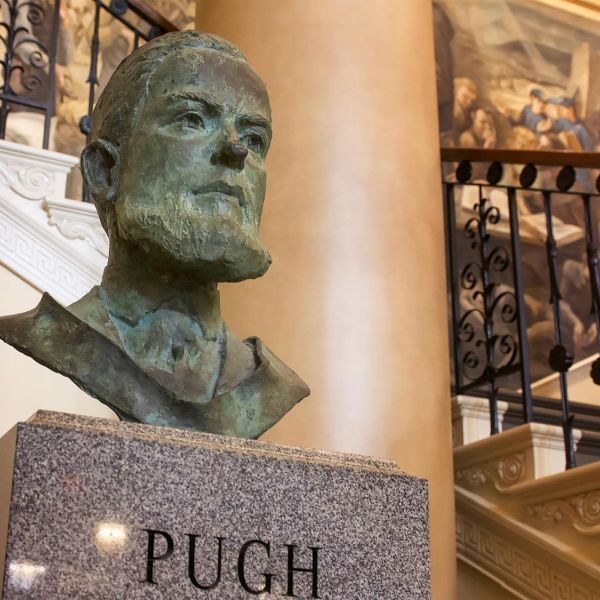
(522, 241)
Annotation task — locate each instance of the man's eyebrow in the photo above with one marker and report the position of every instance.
(195, 97)
(255, 120)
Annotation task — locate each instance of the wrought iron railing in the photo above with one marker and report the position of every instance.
(28, 65)
(523, 271)
(33, 34)
(148, 25)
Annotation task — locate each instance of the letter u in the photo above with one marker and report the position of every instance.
(192, 564)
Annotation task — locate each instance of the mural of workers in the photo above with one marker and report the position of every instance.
(508, 57)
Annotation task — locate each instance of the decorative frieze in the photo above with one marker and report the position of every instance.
(523, 520)
(523, 564)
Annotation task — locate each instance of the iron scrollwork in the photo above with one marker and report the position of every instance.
(28, 62)
(489, 351)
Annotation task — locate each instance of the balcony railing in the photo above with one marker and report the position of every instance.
(524, 283)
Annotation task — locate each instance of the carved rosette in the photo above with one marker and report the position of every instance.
(29, 182)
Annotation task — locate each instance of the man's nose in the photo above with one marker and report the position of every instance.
(230, 154)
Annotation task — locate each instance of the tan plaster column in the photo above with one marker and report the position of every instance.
(355, 301)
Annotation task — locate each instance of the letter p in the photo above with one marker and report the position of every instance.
(151, 557)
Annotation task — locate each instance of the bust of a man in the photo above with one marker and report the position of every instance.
(176, 168)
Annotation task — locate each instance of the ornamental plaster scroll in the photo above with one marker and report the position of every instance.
(32, 183)
(581, 511)
(77, 221)
(500, 555)
(501, 473)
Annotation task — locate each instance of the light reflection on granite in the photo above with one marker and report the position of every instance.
(111, 537)
(86, 490)
(23, 575)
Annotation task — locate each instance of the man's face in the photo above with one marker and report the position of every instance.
(193, 178)
(465, 97)
(538, 106)
(482, 123)
(567, 112)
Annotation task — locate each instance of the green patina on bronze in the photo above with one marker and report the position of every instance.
(176, 168)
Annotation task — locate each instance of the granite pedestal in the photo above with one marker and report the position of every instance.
(104, 510)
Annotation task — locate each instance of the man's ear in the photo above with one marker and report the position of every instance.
(100, 165)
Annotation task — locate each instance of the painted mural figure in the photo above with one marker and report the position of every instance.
(533, 116)
(465, 97)
(482, 133)
(568, 121)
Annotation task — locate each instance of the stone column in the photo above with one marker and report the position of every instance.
(355, 300)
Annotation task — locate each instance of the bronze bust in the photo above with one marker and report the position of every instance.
(176, 168)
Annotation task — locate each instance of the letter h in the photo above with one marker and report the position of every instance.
(314, 570)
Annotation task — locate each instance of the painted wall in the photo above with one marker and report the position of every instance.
(520, 74)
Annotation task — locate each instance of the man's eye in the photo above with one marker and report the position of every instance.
(254, 142)
(191, 121)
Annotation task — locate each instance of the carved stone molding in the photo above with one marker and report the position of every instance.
(471, 419)
(502, 473)
(519, 558)
(48, 262)
(582, 511)
(32, 173)
(497, 463)
(56, 245)
(77, 221)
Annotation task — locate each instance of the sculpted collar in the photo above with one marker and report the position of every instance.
(57, 339)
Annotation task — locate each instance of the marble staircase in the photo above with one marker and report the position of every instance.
(522, 520)
(54, 243)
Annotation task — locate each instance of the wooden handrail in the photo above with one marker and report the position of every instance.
(151, 15)
(548, 158)
(585, 4)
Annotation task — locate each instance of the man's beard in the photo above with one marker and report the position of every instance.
(213, 248)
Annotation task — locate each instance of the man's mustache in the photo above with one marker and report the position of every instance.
(222, 187)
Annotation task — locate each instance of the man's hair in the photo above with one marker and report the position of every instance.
(539, 94)
(488, 110)
(117, 111)
(119, 105)
(465, 82)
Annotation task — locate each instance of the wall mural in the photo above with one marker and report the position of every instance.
(517, 74)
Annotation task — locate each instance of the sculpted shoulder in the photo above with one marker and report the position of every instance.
(89, 354)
